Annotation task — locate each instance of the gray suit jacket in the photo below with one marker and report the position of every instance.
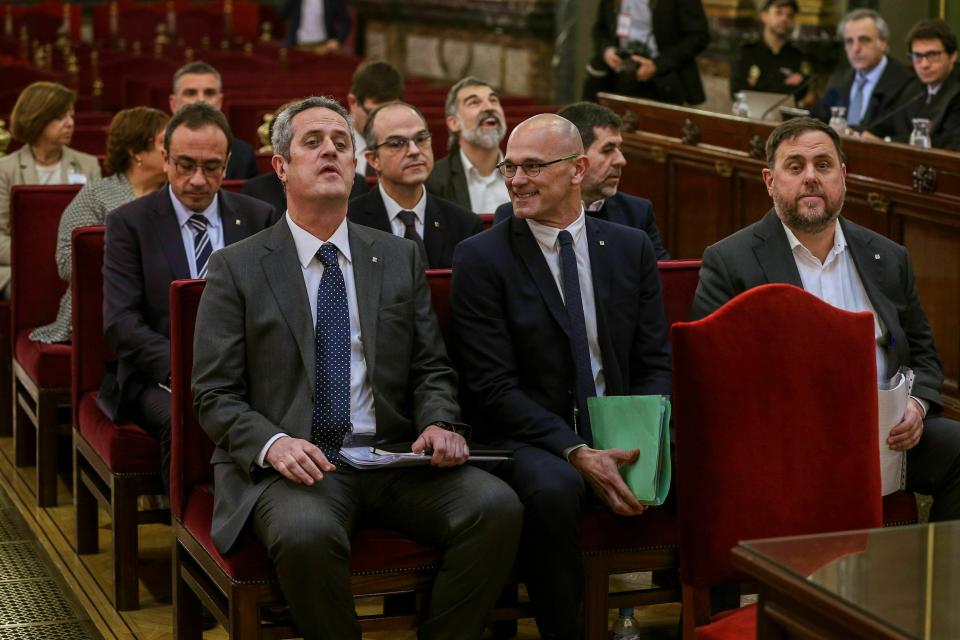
(253, 373)
(760, 254)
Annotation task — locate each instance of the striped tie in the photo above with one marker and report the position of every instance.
(201, 243)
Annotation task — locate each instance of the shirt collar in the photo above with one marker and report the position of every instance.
(839, 241)
(393, 208)
(873, 76)
(211, 213)
(470, 168)
(308, 244)
(547, 236)
(596, 205)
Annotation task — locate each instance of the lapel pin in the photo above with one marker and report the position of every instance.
(237, 222)
(876, 256)
(601, 243)
(374, 258)
(436, 224)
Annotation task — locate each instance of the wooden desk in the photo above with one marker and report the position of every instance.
(702, 172)
(899, 582)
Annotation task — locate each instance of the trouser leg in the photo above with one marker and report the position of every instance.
(933, 467)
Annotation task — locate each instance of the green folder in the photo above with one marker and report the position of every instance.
(636, 422)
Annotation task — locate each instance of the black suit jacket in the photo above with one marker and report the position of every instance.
(760, 254)
(268, 188)
(143, 254)
(884, 97)
(448, 180)
(243, 161)
(621, 208)
(335, 18)
(510, 330)
(681, 30)
(444, 226)
(943, 112)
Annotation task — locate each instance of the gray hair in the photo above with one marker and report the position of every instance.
(199, 68)
(282, 133)
(450, 107)
(859, 14)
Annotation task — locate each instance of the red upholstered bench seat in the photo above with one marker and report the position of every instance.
(602, 531)
(125, 448)
(731, 625)
(373, 550)
(899, 508)
(47, 364)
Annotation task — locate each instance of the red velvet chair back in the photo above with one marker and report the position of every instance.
(233, 186)
(190, 448)
(36, 286)
(678, 283)
(439, 281)
(486, 219)
(88, 349)
(775, 403)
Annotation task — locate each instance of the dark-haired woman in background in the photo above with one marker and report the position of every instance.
(135, 160)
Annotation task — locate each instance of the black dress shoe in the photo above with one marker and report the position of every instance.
(207, 619)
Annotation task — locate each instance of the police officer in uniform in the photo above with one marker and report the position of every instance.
(771, 62)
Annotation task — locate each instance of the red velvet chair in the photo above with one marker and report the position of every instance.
(775, 406)
(41, 385)
(6, 373)
(238, 586)
(113, 464)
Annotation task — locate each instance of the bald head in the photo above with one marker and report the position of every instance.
(548, 147)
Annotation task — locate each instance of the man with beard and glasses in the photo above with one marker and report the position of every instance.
(599, 129)
(805, 242)
(468, 175)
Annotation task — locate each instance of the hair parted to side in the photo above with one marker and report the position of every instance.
(282, 126)
(199, 68)
(935, 29)
(194, 116)
(132, 131)
(587, 115)
(378, 81)
(794, 128)
(37, 106)
(859, 14)
(370, 134)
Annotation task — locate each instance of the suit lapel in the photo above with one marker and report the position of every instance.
(281, 265)
(374, 212)
(368, 278)
(529, 252)
(233, 224)
(602, 274)
(28, 166)
(774, 254)
(168, 231)
(458, 178)
(434, 230)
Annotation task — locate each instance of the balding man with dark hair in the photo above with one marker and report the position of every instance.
(549, 308)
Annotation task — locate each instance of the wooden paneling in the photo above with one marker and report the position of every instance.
(703, 173)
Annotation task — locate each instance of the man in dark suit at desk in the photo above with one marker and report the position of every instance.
(319, 330)
(165, 236)
(599, 129)
(873, 84)
(398, 148)
(804, 241)
(548, 308)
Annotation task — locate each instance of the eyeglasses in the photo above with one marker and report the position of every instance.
(187, 167)
(399, 143)
(929, 56)
(530, 169)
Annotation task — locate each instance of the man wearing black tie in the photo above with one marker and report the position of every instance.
(933, 95)
(548, 308)
(398, 148)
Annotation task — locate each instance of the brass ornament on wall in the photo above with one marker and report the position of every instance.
(924, 179)
(691, 133)
(723, 168)
(878, 202)
(658, 154)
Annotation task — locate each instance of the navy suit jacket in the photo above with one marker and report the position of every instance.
(884, 97)
(509, 331)
(268, 188)
(243, 161)
(444, 226)
(143, 254)
(621, 208)
(335, 18)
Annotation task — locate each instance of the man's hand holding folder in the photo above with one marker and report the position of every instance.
(601, 468)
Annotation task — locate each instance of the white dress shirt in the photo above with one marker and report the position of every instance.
(359, 147)
(393, 210)
(313, 25)
(547, 239)
(214, 228)
(362, 414)
(486, 192)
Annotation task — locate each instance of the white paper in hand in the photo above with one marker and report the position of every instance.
(893, 397)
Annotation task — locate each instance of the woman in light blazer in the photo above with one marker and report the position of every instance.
(42, 119)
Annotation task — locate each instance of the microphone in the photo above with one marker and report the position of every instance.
(899, 109)
(798, 91)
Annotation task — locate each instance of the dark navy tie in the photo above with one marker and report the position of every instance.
(409, 220)
(578, 332)
(201, 243)
(331, 409)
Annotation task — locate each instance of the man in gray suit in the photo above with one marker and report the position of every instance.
(319, 329)
(803, 241)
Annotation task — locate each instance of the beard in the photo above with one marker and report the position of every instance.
(483, 137)
(809, 219)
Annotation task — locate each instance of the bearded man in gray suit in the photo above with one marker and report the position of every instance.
(317, 329)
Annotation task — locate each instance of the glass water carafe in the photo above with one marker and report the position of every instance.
(838, 119)
(920, 136)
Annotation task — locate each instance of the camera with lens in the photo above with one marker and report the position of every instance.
(633, 48)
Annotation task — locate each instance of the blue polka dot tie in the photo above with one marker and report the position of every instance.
(331, 407)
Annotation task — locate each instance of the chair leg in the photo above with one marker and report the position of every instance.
(186, 604)
(695, 610)
(24, 440)
(46, 452)
(595, 598)
(244, 616)
(6, 389)
(84, 508)
(126, 588)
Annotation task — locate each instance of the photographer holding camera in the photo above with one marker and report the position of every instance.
(648, 49)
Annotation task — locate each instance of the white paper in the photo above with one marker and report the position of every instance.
(892, 398)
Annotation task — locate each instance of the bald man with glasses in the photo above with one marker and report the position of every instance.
(550, 307)
(399, 149)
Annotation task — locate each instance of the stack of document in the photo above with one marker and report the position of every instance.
(636, 422)
(374, 458)
(893, 397)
